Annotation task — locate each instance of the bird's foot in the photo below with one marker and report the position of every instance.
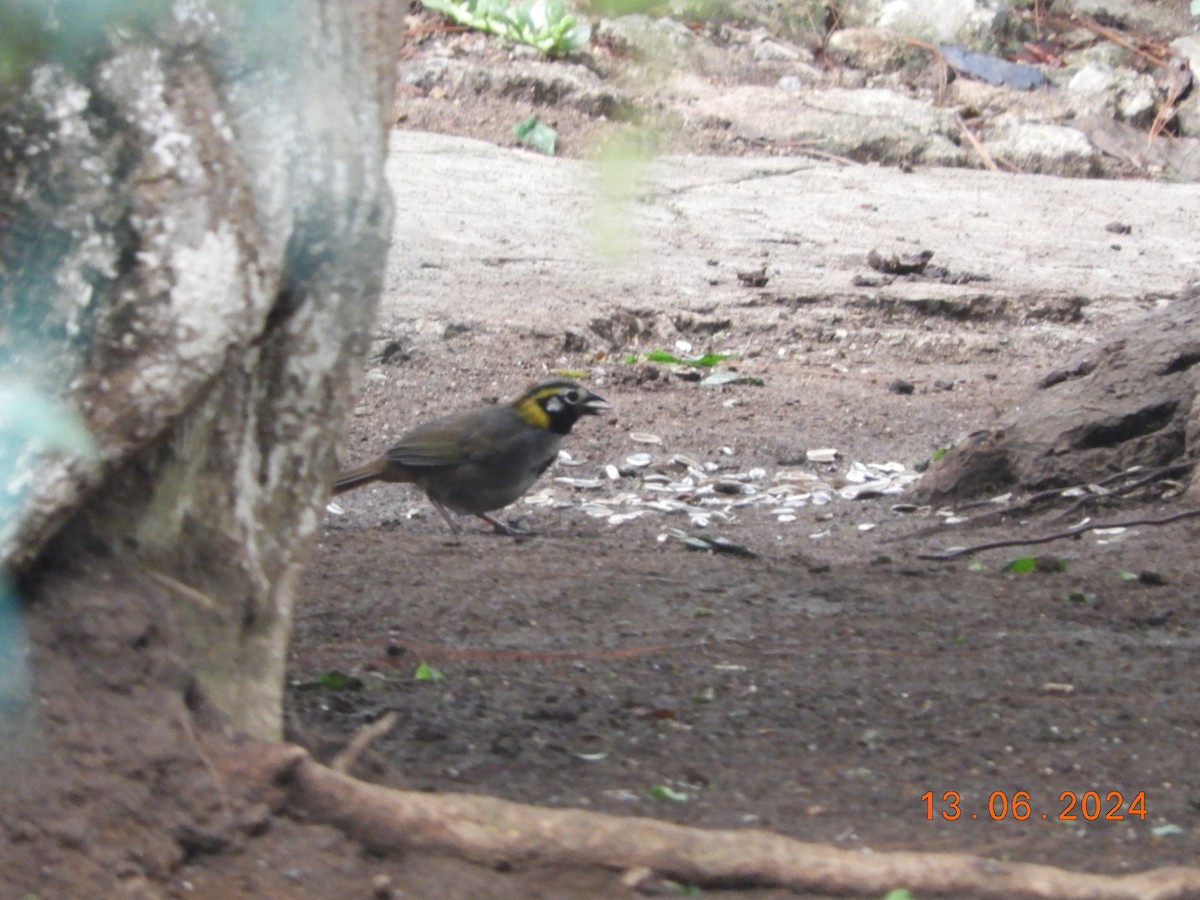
(503, 527)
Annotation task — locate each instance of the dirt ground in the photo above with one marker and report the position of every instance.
(829, 684)
(821, 688)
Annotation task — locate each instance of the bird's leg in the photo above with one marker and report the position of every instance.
(501, 527)
(446, 515)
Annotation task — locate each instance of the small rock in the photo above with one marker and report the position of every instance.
(1092, 80)
(255, 820)
(381, 887)
(574, 341)
(768, 49)
(868, 49)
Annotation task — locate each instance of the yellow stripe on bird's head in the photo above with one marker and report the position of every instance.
(557, 405)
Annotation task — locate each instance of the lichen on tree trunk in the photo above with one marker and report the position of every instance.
(196, 224)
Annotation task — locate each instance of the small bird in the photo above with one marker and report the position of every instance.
(479, 461)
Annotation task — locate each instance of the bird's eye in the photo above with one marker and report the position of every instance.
(572, 396)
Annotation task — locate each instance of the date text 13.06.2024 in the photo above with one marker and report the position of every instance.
(1089, 806)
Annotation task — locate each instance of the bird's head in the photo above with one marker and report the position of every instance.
(557, 405)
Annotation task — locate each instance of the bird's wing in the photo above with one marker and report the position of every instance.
(447, 442)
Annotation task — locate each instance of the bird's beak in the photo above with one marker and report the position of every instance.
(595, 404)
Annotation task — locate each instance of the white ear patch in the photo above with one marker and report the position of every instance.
(554, 405)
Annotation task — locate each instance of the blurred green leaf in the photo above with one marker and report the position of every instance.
(662, 792)
(426, 672)
(1022, 564)
(336, 680)
(706, 361)
(536, 134)
(545, 24)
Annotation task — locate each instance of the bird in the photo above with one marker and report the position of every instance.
(479, 461)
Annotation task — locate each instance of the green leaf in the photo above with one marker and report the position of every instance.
(536, 134)
(336, 680)
(544, 24)
(1126, 576)
(899, 894)
(975, 566)
(1022, 564)
(662, 792)
(426, 672)
(939, 453)
(706, 361)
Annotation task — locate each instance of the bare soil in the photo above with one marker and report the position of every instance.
(832, 686)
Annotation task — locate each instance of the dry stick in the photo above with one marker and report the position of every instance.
(185, 723)
(501, 833)
(1180, 82)
(1053, 494)
(1113, 36)
(363, 739)
(1058, 535)
(1154, 475)
(977, 144)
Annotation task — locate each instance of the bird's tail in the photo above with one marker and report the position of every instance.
(352, 478)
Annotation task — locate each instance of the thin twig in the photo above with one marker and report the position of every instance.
(185, 723)
(1113, 36)
(366, 735)
(1037, 499)
(1058, 535)
(1154, 475)
(977, 144)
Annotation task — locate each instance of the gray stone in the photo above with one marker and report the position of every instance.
(1056, 149)
(870, 49)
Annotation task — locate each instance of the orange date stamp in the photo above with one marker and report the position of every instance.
(1019, 806)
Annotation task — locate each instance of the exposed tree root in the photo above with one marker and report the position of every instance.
(1058, 535)
(501, 833)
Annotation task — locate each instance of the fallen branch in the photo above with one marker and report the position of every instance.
(366, 736)
(976, 145)
(1057, 535)
(500, 833)
(1154, 475)
(1041, 498)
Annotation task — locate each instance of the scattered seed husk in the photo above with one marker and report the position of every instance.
(644, 437)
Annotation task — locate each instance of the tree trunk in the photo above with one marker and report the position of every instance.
(195, 222)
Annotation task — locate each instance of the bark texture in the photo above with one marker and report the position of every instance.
(1130, 402)
(195, 221)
